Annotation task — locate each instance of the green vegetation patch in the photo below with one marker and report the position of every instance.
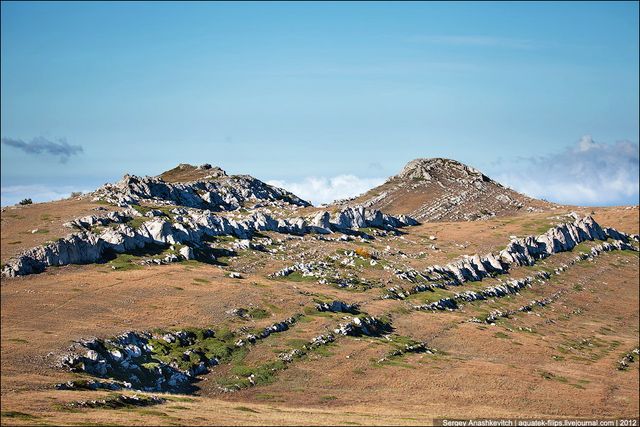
(17, 415)
(502, 335)
(243, 376)
(296, 276)
(551, 376)
(220, 344)
(125, 262)
(246, 376)
(258, 313)
(245, 409)
(430, 295)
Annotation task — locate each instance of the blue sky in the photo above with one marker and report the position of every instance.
(324, 98)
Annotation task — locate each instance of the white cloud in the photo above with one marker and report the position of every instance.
(320, 190)
(588, 173)
(12, 194)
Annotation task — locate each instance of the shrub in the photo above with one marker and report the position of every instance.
(76, 193)
(25, 202)
(363, 253)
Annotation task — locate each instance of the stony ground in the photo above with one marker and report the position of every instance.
(560, 359)
(446, 190)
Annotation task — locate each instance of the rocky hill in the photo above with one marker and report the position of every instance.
(203, 187)
(439, 189)
(227, 301)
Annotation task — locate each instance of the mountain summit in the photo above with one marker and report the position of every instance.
(203, 187)
(437, 189)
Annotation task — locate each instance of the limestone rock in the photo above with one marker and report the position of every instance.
(338, 307)
(437, 189)
(215, 191)
(186, 252)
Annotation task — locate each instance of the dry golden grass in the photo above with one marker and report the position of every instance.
(18, 223)
(480, 370)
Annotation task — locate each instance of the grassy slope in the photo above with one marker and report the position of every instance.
(526, 365)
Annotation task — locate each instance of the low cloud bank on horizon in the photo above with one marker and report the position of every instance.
(40, 145)
(588, 173)
(319, 190)
(12, 194)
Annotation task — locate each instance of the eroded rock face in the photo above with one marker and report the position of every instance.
(512, 287)
(338, 307)
(321, 222)
(499, 291)
(80, 248)
(122, 359)
(364, 325)
(218, 193)
(361, 217)
(437, 189)
(526, 251)
(163, 361)
(89, 221)
(188, 227)
(118, 401)
(425, 167)
(442, 304)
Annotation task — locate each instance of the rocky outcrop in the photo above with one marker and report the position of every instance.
(189, 227)
(359, 217)
(338, 307)
(427, 168)
(436, 189)
(118, 402)
(296, 353)
(499, 291)
(218, 192)
(628, 358)
(160, 361)
(527, 251)
(275, 328)
(284, 359)
(442, 304)
(519, 252)
(364, 325)
(306, 269)
(413, 347)
(413, 276)
(513, 287)
(80, 248)
(129, 359)
(542, 302)
(327, 273)
(114, 217)
(321, 222)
